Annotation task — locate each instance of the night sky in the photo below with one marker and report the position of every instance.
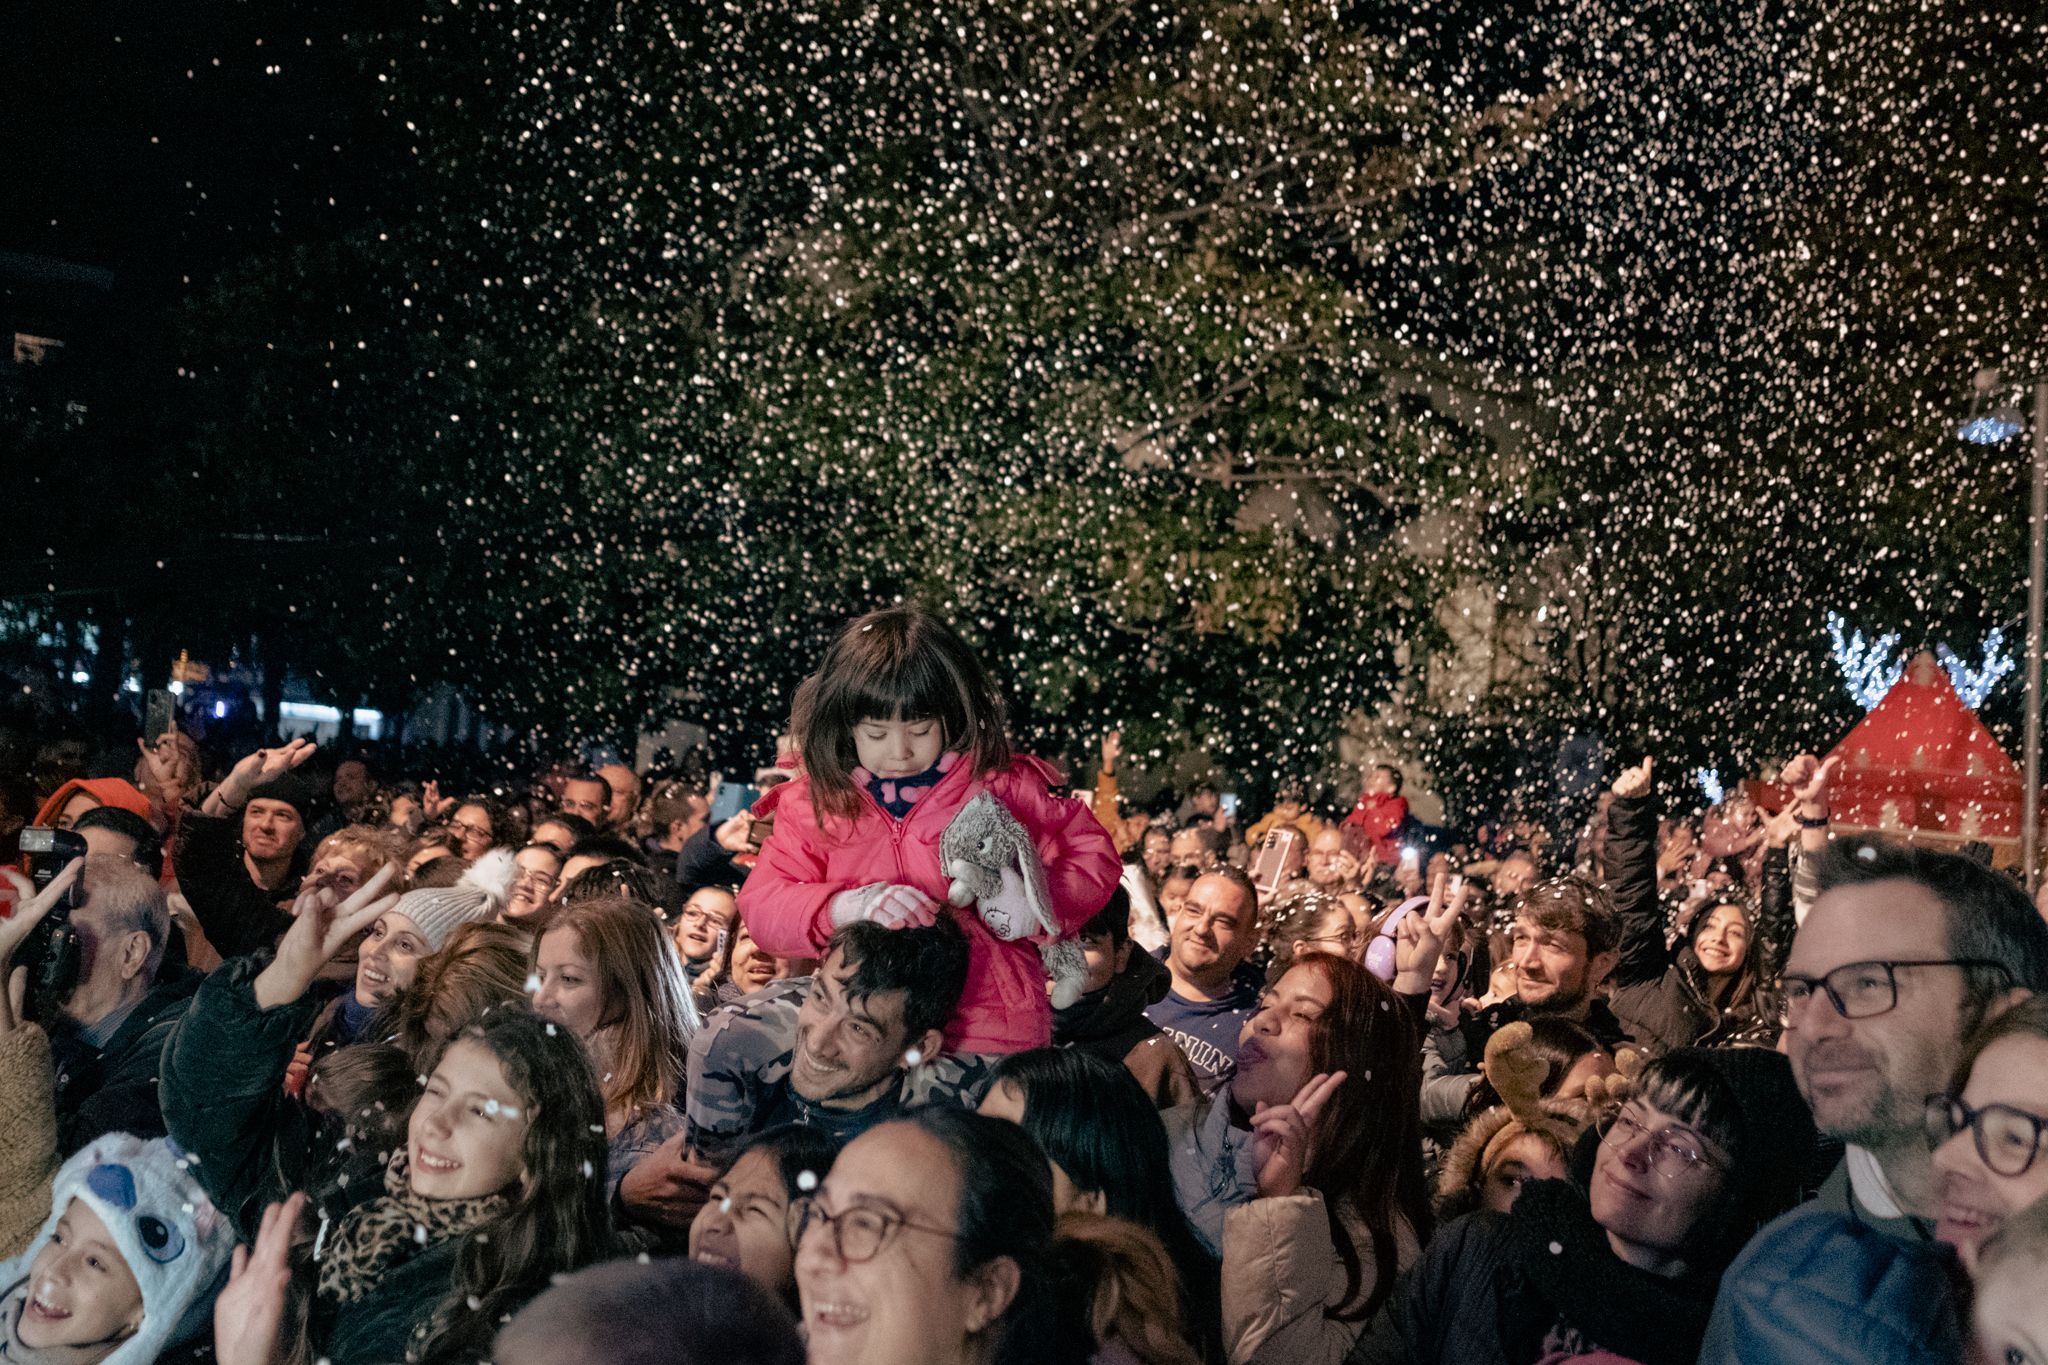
(157, 140)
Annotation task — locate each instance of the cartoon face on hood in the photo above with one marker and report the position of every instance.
(174, 1242)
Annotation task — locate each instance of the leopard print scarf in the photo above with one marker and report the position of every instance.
(374, 1238)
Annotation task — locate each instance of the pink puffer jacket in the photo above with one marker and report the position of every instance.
(786, 900)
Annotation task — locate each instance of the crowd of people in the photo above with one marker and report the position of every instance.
(927, 1057)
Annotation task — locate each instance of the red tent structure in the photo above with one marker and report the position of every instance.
(1922, 768)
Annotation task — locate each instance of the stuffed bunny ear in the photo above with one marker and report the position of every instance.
(1037, 896)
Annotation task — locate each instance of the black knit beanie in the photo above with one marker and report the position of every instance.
(290, 788)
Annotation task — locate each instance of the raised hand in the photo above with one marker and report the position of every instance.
(1419, 938)
(1809, 779)
(732, 834)
(1283, 1136)
(250, 1309)
(1112, 750)
(437, 806)
(321, 928)
(1634, 781)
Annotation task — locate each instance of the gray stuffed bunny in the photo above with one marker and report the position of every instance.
(988, 855)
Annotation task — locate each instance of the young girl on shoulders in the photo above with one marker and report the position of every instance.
(899, 728)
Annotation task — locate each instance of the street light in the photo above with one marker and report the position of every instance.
(1990, 428)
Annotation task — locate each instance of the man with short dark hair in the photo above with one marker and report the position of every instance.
(1905, 952)
(848, 1037)
(1567, 938)
(587, 795)
(840, 1051)
(1212, 990)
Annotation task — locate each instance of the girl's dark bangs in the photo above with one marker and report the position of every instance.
(908, 688)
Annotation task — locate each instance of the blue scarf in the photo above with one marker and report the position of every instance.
(897, 795)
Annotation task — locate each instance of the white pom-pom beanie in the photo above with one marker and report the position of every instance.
(175, 1242)
(481, 895)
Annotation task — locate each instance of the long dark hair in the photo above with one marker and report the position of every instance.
(1742, 988)
(1005, 1210)
(1367, 1151)
(646, 997)
(900, 663)
(1094, 1119)
(560, 1216)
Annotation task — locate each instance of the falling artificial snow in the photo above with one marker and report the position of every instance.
(1255, 378)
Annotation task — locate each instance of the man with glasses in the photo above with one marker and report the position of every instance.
(1905, 951)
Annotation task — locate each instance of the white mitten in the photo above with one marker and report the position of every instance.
(887, 904)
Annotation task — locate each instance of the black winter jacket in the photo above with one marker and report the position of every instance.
(113, 1089)
(239, 917)
(224, 1103)
(1659, 990)
(1493, 1289)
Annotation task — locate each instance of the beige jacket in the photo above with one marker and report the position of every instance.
(28, 1136)
(1280, 1272)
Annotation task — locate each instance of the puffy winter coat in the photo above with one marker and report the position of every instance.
(1659, 991)
(787, 899)
(1823, 1287)
(1282, 1280)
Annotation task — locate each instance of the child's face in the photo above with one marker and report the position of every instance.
(2012, 1325)
(81, 1291)
(898, 748)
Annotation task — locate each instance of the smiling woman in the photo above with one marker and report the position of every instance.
(1990, 1131)
(1624, 1257)
(928, 1245)
(499, 1183)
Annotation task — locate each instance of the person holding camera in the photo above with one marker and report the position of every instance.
(107, 1001)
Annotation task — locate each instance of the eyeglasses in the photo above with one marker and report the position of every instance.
(2007, 1139)
(470, 831)
(540, 881)
(1347, 938)
(1189, 870)
(701, 916)
(1863, 990)
(858, 1234)
(1671, 1155)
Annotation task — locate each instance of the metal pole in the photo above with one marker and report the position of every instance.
(2037, 522)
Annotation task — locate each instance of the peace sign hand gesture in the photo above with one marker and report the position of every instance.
(1283, 1135)
(321, 928)
(1419, 938)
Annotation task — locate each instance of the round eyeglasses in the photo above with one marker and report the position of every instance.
(2007, 1139)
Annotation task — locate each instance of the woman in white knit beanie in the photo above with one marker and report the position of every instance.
(415, 928)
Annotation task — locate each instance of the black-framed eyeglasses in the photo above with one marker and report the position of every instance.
(1188, 870)
(2007, 1139)
(458, 827)
(1863, 990)
(858, 1233)
(1672, 1154)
